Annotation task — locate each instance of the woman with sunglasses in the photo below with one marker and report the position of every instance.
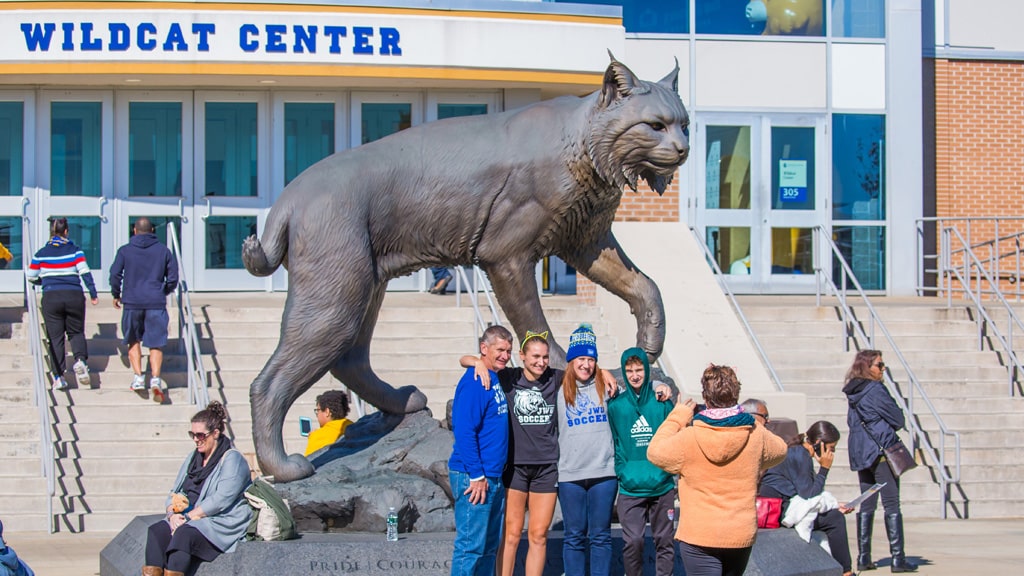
(874, 417)
(207, 513)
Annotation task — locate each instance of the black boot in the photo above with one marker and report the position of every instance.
(864, 523)
(894, 529)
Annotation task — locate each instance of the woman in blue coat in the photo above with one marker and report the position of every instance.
(207, 513)
(874, 417)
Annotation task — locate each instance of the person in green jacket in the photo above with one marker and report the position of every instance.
(646, 492)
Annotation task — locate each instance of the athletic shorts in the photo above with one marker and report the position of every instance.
(539, 478)
(146, 326)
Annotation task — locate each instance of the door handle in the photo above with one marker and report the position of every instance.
(102, 203)
(209, 209)
(181, 210)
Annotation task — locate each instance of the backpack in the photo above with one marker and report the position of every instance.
(271, 519)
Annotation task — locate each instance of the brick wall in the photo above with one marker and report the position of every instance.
(979, 150)
(644, 205)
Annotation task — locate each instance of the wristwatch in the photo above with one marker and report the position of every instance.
(186, 517)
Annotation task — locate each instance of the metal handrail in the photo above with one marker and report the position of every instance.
(720, 277)
(473, 290)
(198, 393)
(1014, 367)
(932, 264)
(920, 438)
(40, 387)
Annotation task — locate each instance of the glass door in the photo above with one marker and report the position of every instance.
(154, 137)
(75, 172)
(17, 199)
(761, 203)
(379, 114)
(231, 180)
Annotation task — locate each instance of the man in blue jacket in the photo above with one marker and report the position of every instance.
(143, 274)
(646, 493)
(480, 426)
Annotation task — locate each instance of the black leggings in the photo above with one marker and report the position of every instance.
(703, 561)
(64, 313)
(177, 553)
(833, 524)
(878, 473)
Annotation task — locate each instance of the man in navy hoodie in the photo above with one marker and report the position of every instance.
(143, 274)
(480, 427)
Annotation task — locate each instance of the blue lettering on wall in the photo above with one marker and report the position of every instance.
(269, 38)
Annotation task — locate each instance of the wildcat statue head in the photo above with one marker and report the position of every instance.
(638, 129)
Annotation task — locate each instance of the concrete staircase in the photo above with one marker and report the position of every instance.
(118, 451)
(967, 387)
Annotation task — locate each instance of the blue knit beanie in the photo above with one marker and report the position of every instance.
(582, 342)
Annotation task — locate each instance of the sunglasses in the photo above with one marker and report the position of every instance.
(880, 365)
(199, 436)
(765, 416)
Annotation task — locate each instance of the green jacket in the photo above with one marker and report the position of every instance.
(633, 421)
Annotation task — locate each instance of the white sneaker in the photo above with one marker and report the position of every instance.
(82, 374)
(138, 383)
(59, 384)
(156, 392)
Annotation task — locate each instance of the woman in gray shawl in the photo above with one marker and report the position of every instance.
(207, 513)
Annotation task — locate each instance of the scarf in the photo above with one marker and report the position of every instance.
(197, 473)
(725, 417)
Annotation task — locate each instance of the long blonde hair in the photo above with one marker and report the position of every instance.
(569, 387)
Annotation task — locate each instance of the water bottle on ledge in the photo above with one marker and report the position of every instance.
(392, 525)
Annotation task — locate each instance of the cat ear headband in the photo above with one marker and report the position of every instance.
(530, 335)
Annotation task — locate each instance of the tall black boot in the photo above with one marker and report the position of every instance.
(894, 529)
(865, 520)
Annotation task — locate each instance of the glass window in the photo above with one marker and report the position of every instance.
(85, 232)
(10, 236)
(863, 248)
(667, 16)
(768, 17)
(231, 161)
(858, 18)
(792, 251)
(382, 119)
(12, 138)
(731, 247)
(76, 143)
(224, 237)
(454, 110)
(154, 136)
(792, 168)
(858, 168)
(728, 168)
(308, 136)
(159, 226)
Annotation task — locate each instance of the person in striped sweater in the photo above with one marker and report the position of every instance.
(61, 268)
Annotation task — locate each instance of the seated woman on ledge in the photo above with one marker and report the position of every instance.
(331, 411)
(207, 513)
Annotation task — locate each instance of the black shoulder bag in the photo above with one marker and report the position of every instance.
(900, 459)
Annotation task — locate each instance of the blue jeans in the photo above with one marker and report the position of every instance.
(587, 515)
(477, 527)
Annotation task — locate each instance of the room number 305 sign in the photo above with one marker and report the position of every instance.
(792, 180)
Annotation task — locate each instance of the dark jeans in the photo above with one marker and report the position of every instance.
(878, 473)
(634, 514)
(177, 553)
(439, 272)
(64, 312)
(703, 561)
(833, 524)
(587, 516)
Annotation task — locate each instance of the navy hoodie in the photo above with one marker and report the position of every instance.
(143, 274)
(881, 418)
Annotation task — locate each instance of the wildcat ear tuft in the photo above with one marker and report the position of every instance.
(671, 81)
(611, 56)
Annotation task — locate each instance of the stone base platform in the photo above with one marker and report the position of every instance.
(777, 553)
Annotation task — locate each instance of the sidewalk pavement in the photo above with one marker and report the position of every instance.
(942, 547)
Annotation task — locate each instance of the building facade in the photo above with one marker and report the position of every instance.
(806, 115)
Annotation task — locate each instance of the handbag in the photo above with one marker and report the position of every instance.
(897, 456)
(769, 512)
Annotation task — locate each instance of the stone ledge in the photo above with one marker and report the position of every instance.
(777, 553)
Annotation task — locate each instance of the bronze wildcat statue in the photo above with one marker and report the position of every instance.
(501, 191)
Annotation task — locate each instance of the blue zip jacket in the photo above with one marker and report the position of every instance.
(143, 274)
(881, 417)
(480, 426)
(60, 265)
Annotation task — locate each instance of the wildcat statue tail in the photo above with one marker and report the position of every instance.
(262, 256)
